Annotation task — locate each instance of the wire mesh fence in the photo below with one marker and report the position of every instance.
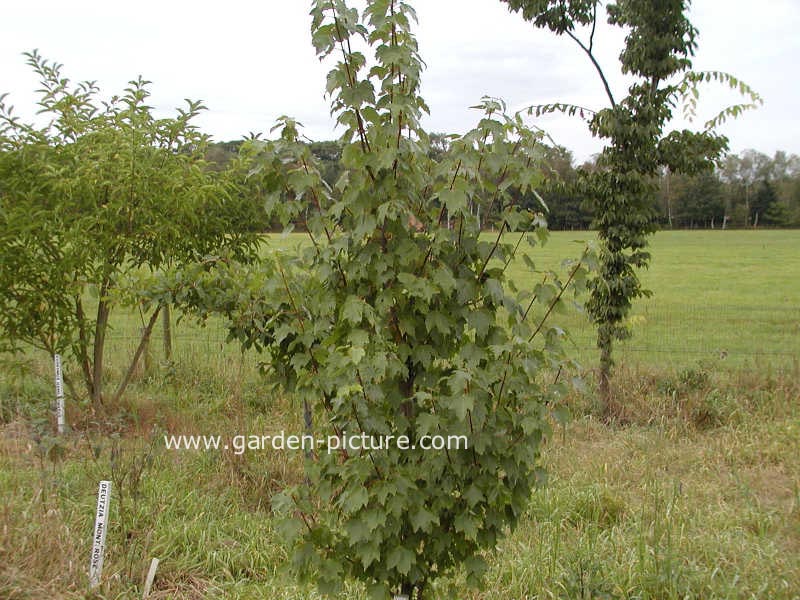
(687, 332)
(661, 333)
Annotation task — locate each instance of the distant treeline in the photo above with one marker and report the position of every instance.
(748, 190)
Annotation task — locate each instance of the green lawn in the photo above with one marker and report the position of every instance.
(731, 294)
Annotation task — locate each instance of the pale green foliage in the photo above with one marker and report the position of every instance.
(688, 94)
(101, 190)
(393, 323)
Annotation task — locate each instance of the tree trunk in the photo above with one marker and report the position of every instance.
(167, 324)
(143, 342)
(99, 347)
(669, 202)
(606, 345)
(604, 386)
(146, 354)
(83, 345)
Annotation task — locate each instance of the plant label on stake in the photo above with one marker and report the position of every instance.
(59, 394)
(99, 540)
(151, 575)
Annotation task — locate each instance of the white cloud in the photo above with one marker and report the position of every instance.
(251, 62)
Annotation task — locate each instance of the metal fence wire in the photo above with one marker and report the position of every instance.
(660, 332)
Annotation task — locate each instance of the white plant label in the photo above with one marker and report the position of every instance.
(99, 541)
(59, 394)
(151, 575)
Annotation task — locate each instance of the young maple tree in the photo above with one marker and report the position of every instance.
(391, 323)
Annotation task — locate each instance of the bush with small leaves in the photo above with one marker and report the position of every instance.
(101, 191)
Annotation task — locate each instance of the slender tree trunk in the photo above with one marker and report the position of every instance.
(606, 345)
(101, 326)
(604, 386)
(669, 202)
(167, 324)
(407, 409)
(143, 342)
(747, 205)
(83, 345)
(146, 354)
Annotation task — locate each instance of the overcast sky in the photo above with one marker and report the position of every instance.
(251, 62)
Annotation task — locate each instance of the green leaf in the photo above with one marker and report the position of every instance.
(357, 530)
(439, 322)
(561, 414)
(461, 404)
(427, 423)
(400, 559)
(466, 523)
(494, 290)
(369, 553)
(373, 518)
(480, 320)
(354, 499)
(476, 568)
(443, 277)
(453, 200)
(378, 591)
(473, 495)
(353, 310)
(356, 354)
(422, 520)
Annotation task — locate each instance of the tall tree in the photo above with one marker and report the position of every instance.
(566, 206)
(329, 155)
(659, 44)
(765, 207)
(699, 202)
(762, 187)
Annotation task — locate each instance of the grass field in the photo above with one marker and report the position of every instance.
(733, 294)
(693, 493)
